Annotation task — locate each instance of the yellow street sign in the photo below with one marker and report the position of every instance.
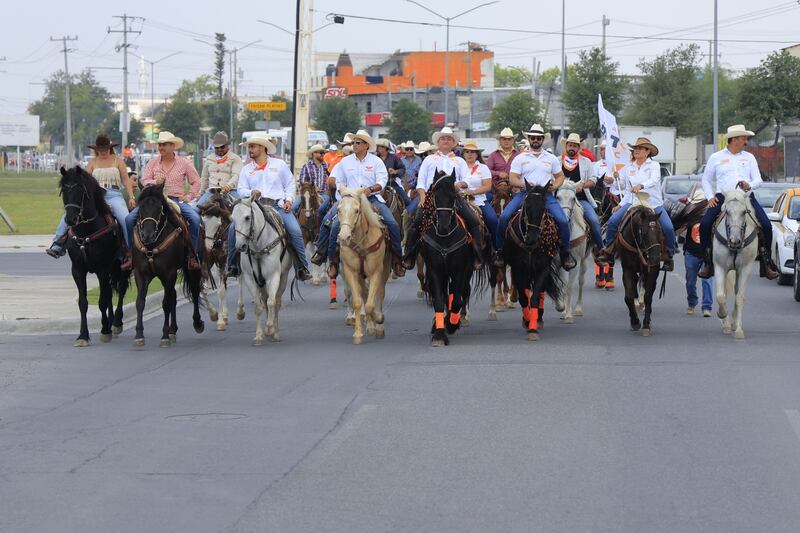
(266, 106)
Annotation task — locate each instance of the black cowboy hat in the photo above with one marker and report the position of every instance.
(102, 141)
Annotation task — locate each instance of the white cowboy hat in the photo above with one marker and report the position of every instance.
(362, 135)
(408, 144)
(347, 149)
(315, 148)
(536, 130)
(738, 131)
(472, 146)
(506, 132)
(332, 147)
(445, 131)
(424, 147)
(168, 137)
(384, 142)
(571, 138)
(348, 139)
(263, 140)
(644, 142)
(601, 145)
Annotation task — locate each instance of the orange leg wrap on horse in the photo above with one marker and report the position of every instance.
(541, 301)
(455, 318)
(526, 313)
(333, 289)
(439, 320)
(534, 319)
(598, 269)
(450, 302)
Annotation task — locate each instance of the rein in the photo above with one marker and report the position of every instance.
(356, 246)
(744, 241)
(147, 248)
(259, 276)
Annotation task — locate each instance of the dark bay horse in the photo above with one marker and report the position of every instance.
(531, 244)
(505, 295)
(160, 251)
(309, 220)
(94, 245)
(448, 257)
(604, 274)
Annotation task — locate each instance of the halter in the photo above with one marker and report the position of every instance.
(743, 242)
(159, 226)
(452, 210)
(84, 196)
(250, 238)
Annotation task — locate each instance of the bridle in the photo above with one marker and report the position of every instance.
(160, 224)
(79, 207)
(639, 242)
(740, 227)
(251, 238)
(452, 210)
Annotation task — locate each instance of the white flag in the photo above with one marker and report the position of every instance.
(615, 152)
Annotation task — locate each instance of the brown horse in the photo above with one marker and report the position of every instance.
(505, 293)
(309, 220)
(396, 206)
(604, 274)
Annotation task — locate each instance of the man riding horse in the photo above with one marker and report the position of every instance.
(726, 170)
(578, 168)
(220, 170)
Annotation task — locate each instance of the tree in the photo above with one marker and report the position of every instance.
(196, 90)
(135, 129)
(549, 75)
(219, 62)
(594, 74)
(729, 109)
(517, 111)
(337, 116)
(669, 92)
(409, 121)
(511, 76)
(183, 119)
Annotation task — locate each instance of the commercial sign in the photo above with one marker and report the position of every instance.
(376, 119)
(266, 106)
(19, 130)
(334, 92)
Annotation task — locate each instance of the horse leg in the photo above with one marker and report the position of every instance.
(651, 281)
(437, 290)
(222, 295)
(373, 306)
(240, 313)
(720, 282)
(106, 305)
(142, 282)
(272, 310)
(493, 301)
(567, 278)
(83, 306)
(581, 276)
(122, 288)
(357, 302)
(258, 305)
(629, 281)
(420, 277)
(166, 306)
(741, 284)
(456, 305)
(195, 285)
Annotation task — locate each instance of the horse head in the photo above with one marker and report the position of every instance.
(153, 213)
(736, 210)
(647, 234)
(310, 196)
(567, 197)
(244, 214)
(83, 197)
(354, 210)
(533, 211)
(444, 194)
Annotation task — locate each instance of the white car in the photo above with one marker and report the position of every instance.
(785, 217)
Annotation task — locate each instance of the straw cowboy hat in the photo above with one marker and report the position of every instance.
(505, 133)
(168, 137)
(362, 135)
(347, 149)
(102, 141)
(424, 147)
(315, 148)
(601, 145)
(738, 131)
(536, 130)
(408, 144)
(472, 146)
(384, 142)
(644, 142)
(348, 139)
(263, 140)
(571, 138)
(220, 139)
(445, 131)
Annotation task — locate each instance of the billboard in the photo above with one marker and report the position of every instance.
(19, 130)
(334, 92)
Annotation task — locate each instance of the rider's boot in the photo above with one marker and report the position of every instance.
(412, 242)
(708, 266)
(233, 268)
(397, 266)
(127, 261)
(58, 248)
(668, 265)
(333, 268)
(769, 268)
(567, 261)
(301, 272)
(605, 255)
(318, 258)
(498, 260)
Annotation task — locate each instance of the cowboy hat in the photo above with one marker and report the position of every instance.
(536, 130)
(738, 131)
(362, 135)
(102, 141)
(445, 131)
(424, 147)
(472, 146)
(315, 148)
(347, 149)
(348, 139)
(644, 142)
(601, 145)
(168, 137)
(263, 140)
(506, 132)
(408, 144)
(220, 139)
(384, 142)
(571, 138)
(332, 148)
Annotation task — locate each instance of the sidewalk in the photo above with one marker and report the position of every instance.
(24, 243)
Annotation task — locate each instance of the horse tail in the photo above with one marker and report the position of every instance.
(192, 283)
(482, 278)
(553, 284)
(121, 281)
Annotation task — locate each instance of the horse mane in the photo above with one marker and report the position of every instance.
(366, 208)
(93, 188)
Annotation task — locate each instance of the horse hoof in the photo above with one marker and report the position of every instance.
(560, 307)
(533, 336)
(106, 337)
(240, 315)
(465, 322)
(371, 331)
(349, 321)
(726, 330)
(420, 295)
(257, 342)
(221, 326)
(333, 305)
(358, 340)
(438, 343)
(635, 327)
(380, 334)
(275, 338)
(213, 317)
(646, 332)
(200, 327)
(578, 313)
(165, 343)
(569, 320)
(738, 334)
(138, 342)
(492, 316)
(116, 330)
(225, 320)
(81, 343)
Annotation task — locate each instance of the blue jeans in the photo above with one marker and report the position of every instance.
(401, 191)
(119, 209)
(293, 231)
(232, 196)
(325, 245)
(297, 203)
(489, 218)
(707, 223)
(388, 219)
(188, 212)
(553, 207)
(594, 222)
(412, 206)
(693, 265)
(612, 227)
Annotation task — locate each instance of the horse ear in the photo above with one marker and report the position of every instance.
(528, 187)
(453, 174)
(63, 170)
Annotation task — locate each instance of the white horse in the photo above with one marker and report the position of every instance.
(735, 250)
(579, 233)
(266, 262)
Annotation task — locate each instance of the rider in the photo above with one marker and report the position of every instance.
(444, 160)
(536, 167)
(394, 167)
(315, 171)
(220, 170)
(174, 172)
(366, 171)
(642, 174)
(578, 168)
(499, 161)
(112, 174)
(478, 183)
(727, 169)
(269, 180)
(411, 162)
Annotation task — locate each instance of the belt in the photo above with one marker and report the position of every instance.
(113, 187)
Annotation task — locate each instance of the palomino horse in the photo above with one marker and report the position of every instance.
(266, 261)
(366, 261)
(309, 220)
(640, 243)
(579, 231)
(734, 251)
(216, 213)
(93, 244)
(531, 244)
(160, 250)
(503, 293)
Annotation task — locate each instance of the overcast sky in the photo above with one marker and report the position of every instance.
(267, 67)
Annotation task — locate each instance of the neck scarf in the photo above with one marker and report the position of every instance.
(568, 163)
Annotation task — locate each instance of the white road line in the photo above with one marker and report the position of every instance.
(794, 420)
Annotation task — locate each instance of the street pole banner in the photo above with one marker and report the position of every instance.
(615, 151)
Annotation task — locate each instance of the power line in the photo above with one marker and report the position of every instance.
(124, 120)
(68, 136)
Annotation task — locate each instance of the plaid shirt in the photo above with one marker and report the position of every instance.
(316, 174)
(182, 171)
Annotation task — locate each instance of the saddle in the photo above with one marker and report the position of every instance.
(272, 216)
(626, 221)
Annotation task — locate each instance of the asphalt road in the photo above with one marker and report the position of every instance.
(33, 264)
(593, 428)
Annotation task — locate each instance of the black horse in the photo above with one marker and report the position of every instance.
(94, 245)
(531, 244)
(448, 257)
(161, 250)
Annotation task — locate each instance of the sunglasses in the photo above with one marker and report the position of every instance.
(320, 152)
(409, 149)
(359, 142)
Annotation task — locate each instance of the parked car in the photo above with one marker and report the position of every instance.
(676, 187)
(785, 217)
(768, 193)
(796, 274)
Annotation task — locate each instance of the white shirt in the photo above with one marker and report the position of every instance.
(274, 181)
(352, 172)
(724, 170)
(445, 163)
(536, 169)
(600, 171)
(648, 176)
(474, 179)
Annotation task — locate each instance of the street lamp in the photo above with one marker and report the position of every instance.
(447, 48)
(153, 81)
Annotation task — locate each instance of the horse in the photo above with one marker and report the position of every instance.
(266, 261)
(94, 245)
(604, 274)
(447, 256)
(309, 220)
(160, 250)
(529, 250)
(397, 207)
(216, 213)
(580, 249)
(734, 252)
(640, 243)
(366, 261)
(502, 293)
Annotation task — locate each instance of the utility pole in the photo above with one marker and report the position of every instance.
(124, 117)
(715, 128)
(68, 135)
(606, 22)
(563, 67)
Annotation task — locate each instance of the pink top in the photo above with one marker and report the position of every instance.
(497, 163)
(182, 171)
